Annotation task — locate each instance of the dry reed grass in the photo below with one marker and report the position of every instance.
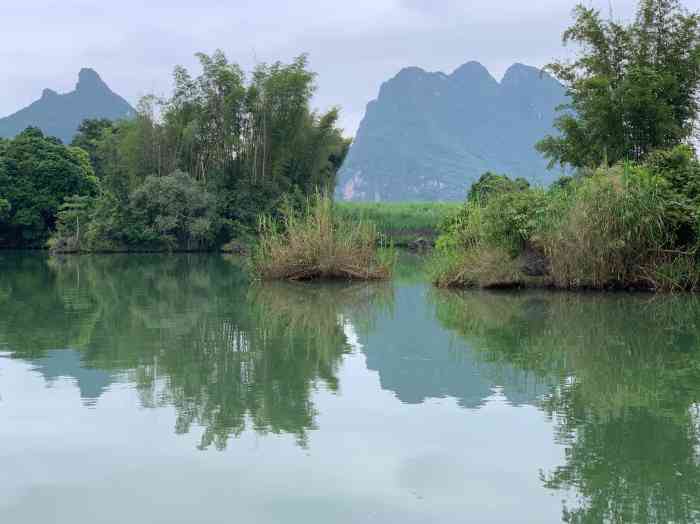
(315, 244)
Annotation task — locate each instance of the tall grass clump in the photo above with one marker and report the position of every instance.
(614, 231)
(316, 244)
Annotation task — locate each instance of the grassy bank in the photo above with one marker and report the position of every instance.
(400, 223)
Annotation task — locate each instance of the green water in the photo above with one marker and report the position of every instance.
(167, 389)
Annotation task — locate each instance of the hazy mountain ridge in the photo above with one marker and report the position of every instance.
(427, 136)
(60, 115)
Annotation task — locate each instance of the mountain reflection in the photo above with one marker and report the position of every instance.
(189, 331)
(623, 375)
(417, 358)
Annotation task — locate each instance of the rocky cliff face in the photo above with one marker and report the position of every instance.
(428, 136)
(60, 115)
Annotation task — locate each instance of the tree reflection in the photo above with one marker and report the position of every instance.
(191, 333)
(623, 375)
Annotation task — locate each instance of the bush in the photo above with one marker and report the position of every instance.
(483, 266)
(174, 212)
(314, 243)
(490, 184)
(483, 245)
(613, 233)
(630, 226)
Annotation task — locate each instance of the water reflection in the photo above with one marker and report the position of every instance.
(624, 387)
(417, 359)
(190, 332)
(62, 363)
(616, 376)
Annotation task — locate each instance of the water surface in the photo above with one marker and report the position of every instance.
(147, 388)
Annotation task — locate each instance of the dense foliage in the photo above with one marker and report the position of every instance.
(633, 89)
(625, 226)
(37, 173)
(490, 184)
(191, 171)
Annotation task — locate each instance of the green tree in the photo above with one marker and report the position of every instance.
(632, 88)
(253, 142)
(174, 212)
(72, 218)
(490, 184)
(89, 137)
(37, 173)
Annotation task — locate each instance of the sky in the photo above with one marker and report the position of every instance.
(354, 46)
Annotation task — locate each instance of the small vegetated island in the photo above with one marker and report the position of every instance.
(231, 160)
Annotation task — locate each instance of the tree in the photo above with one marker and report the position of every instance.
(490, 184)
(37, 173)
(632, 88)
(174, 212)
(241, 146)
(89, 137)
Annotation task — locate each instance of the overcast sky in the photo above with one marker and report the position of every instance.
(353, 45)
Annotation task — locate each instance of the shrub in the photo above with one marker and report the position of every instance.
(613, 232)
(482, 245)
(314, 243)
(171, 212)
(483, 266)
(630, 226)
(511, 219)
(174, 212)
(490, 184)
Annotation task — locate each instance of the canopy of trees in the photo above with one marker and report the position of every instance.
(36, 174)
(190, 171)
(633, 87)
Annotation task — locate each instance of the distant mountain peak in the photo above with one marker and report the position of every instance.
(518, 73)
(470, 70)
(429, 135)
(60, 115)
(411, 71)
(89, 79)
(48, 93)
